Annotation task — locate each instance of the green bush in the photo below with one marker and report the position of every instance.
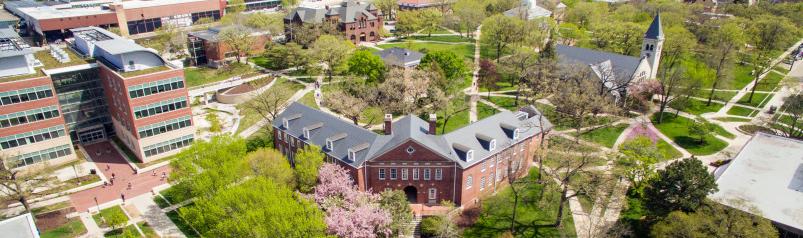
(429, 226)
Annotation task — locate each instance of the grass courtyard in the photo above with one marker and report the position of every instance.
(196, 76)
(605, 136)
(677, 129)
(250, 117)
(466, 50)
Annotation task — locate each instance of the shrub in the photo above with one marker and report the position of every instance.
(429, 226)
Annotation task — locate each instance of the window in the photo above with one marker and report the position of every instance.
(381, 174)
(415, 174)
(482, 183)
(492, 162)
(492, 145)
(516, 134)
(433, 194)
(469, 155)
(286, 123)
(393, 174)
(404, 174)
(160, 107)
(410, 150)
(329, 144)
(483, 165)
(306, 133)
(167, 146)
(353, 155)
(426, 174)
(469, 181)
(438, 174)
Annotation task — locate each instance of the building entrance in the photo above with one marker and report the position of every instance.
(92, 135)
(411, 193)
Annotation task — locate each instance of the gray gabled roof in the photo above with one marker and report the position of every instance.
(624, 66)
(399, 56)
(368, 144)
(307, 14)
(347, 11)
(655, 31)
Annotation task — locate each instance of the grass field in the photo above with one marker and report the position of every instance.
(202, 75)
(742, 111)
(451, 38)
(769, 82)
(309, 100)
(484, 111)
(605, 136)
(115, 210)
(732, 119)
(668, 150)
(122, 232)
(505, 102)
(532, 216)
(759, 99)
(73, 228)
(466, 50)
(718, 95)
(677, 129)
(698, 107)
(741, 77)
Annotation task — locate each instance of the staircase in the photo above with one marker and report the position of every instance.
(415, 225)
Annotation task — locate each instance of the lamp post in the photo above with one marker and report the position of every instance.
(96, 204)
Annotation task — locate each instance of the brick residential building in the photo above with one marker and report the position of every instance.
(459, 166)
(48, 21)
(101, 86)
(206, 48)
(358, 21)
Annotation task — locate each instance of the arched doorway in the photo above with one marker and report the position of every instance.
(411, 193)
(362, 37)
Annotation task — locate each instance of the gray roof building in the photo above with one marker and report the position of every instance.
(623, 66)
(766, 179)
(528, 10)
(346, 12)
(400, 57)
(339, 138)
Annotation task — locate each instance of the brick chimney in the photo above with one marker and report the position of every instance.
(433, 122)
(388, 124)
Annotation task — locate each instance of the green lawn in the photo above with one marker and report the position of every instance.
(106, 213)
(437, 30)
(759, 99)
(196, 76)
(506, 102)
(372, 116)
(668, 150)
(466, 50)
(732, 119)
(769, 82)
(250, 117)
(677, 129)
(718, 95)
(697, 107)
(73, 228)
(781, 69)
(489, 52)
(741, 111)
(120, 232)
(484, 111)
(533, 217)
(161, 202)
(561, 143)
(147, 230)
(605, 136)
(451, 38)
(457, 121)
(741, 77)
(561, 124)
(260, 60)
(309, 100)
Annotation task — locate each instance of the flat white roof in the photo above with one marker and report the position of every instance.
(21, 226)
(38, 10)
(766, 179)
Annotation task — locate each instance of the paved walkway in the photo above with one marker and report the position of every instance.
(155, 217)
(473, 89)
(110, 162)
(264, 122)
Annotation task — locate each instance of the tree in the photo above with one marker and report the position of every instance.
(408, 22)
(575, 105)
(270, 103)
(470, 14)
(499, 31)
(636, 160)
(346, 104)
(683, 185)
(235, 7)
(271, 164)
(395, 203)
(115, 219)
(206, 167)
(454, 67)
(430, 19)
(349, 212)
(168, 39)
(678, 45)
(713, 220)
(521, 67)
(620, 37)
(788, 124)
(722, 45)
(366, 64)
(272, 23)
(442, 225)
(388, 8)
(331, 51)
(488, 76)
(239, 39)
(568, 165)
(307, 162)
(22, 186)
(255, 208)
(586, 14)
(285, 56)
(700, 128)
(769, 33)
(406, 91)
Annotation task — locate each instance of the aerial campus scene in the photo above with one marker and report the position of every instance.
(401, 118)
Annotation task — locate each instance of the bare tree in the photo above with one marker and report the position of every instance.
(520, 66)
(21, 185)
(787, 123)
(239, 39)
(569, 165)
(575, 102)
(346, 104)
(269, 103)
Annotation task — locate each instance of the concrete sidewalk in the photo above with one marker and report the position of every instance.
(157, 219)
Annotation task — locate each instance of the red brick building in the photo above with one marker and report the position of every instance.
(357, 21)
(460, 166)
(205, 47)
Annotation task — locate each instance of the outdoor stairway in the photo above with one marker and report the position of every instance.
(415, 224)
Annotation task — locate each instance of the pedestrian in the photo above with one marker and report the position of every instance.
(154, 172)
(164, 175)
(112, 175)
(122, 196)
(108, 167)
(129, 185)
(112, 181)
(105, 183)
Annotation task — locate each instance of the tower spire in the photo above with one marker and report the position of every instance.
(655, 30)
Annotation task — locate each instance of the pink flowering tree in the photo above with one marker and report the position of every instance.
(643, 91)
(349, 212)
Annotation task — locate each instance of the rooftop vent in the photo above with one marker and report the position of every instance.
(59, 54)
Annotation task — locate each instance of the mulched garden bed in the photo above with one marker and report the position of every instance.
(54, 219)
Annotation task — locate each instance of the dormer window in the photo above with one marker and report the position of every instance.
(352, 154)
(306, 133)
(516, 134)
(329, 144)
(285, 123)
(492, 145)
(469, 155)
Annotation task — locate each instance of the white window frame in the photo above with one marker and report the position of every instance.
(415, 174)
(516, 134)
(483, 166)
(330, 144)
(469, 155)
(393, 174)
(482, 183)
(438, 174)
(404, 174)
(427, 174)
(432, 194)
(286, 123)
(381, 174)
(352, 154)
(306, 133)
(469, 181)
(492, 145)
(495, 160)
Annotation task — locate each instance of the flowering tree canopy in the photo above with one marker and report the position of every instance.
(349, 212)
